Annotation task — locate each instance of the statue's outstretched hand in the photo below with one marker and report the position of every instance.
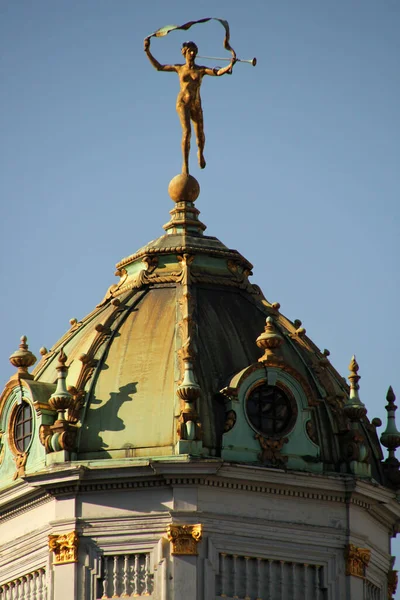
(146, 44)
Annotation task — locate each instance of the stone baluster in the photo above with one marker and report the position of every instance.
(294, 580)
(115, 577)
(125, 576)
(224, 575)
(305, 580)
(43, 584)
(146, 591)
(247, 578)
(136, 573)
(317, 586)
(259, 577)
(29, 587)
(270, 586)
(35, 582)
(281, 578)
(235, 576)
(105, 580)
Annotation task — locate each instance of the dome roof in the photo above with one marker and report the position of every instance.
(185, 357)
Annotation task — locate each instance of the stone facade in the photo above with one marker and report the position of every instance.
(92, 533)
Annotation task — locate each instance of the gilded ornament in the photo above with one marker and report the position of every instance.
(269, 340)
(22, 359)
(20, 462)
(357, 560)
(188, 103)
(184, 538)
(64, 547)
(270, 454)
(230, 420)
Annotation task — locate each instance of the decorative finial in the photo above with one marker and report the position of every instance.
(390, 438)
(22, 359)
(184, 191)
(73, 321)
(61, 400)
(324, 359)
(269, 340)
(189, 390)
(43, 351)
(353, 407)
(353, 377)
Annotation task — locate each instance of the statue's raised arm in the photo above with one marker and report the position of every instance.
(154, 61)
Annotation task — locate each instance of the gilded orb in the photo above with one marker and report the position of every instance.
(184, 188)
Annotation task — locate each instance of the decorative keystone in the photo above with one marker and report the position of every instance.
(22, 359)
(184, 538)
(64, 547)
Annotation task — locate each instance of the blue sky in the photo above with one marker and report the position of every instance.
(302, 157)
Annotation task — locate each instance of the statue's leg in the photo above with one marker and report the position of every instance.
(184, 116)
(198, 124)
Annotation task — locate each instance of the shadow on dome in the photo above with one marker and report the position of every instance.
(104, 418)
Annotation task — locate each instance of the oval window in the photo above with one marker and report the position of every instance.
(269, 410)
(23, 424)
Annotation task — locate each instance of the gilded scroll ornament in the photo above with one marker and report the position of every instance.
(270, 454)
(357, 560)
(65, 547)
(184, 538)
(20, 462)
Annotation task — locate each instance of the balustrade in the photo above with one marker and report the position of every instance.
(125, 576)
(32, 586)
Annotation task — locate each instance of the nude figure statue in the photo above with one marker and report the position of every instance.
(188, 102)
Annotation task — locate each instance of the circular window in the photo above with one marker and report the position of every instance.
(270, 411)
(22, 430)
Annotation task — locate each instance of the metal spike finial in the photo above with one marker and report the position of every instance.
(390, 438)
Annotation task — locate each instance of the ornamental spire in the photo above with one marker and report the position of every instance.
(354, 408)
(61, 400)
(390, 438)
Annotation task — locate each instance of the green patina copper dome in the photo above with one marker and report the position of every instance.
(184, 357)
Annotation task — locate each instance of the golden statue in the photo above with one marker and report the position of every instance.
(188, 102)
